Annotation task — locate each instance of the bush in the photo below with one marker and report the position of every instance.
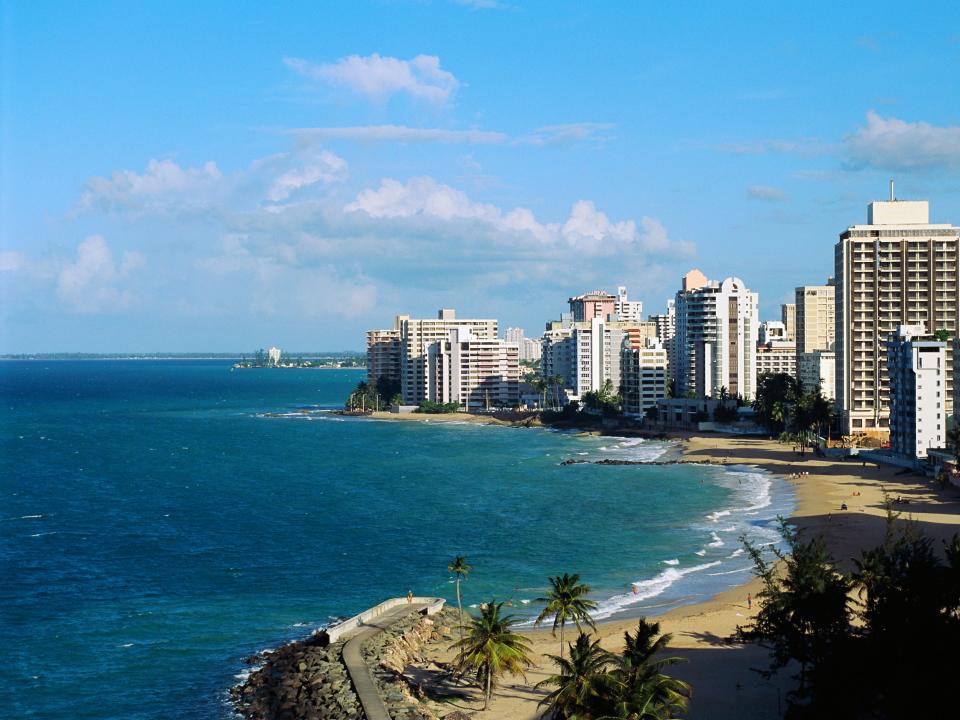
(434, 408)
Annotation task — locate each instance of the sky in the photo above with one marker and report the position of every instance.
(222, 176)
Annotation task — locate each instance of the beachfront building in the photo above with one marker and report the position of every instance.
(383, 354)
(598, 344)
(530, 349)
(816, 318)
(788, 316)
(956, 384)
(716, 336)
(666, 331)
(643, 368)
(628, 310)
(401, 352)
(776, 353)
(596, 304)
(477, 373)
(273, 356)
(819, 366)
(917, 366)
(897, 269)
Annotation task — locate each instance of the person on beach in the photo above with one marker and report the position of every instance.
(749, 602)
(409, 596)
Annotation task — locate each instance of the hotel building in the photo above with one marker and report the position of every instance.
(898, 269)
(644, 375)
(917, 366)
(475, 372)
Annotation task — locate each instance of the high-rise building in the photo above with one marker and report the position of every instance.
(816, 319)
(898, 269)
(776, 354)
(819, 366)
(598, 344)
(475, 372)
(788, 316)
(596, 304)
(559, 356)
(627, 309)
(530, 348)
(644, 375)
(917, 367)
(716, 336)
(956, 384)
(666, 331)
(410, 356)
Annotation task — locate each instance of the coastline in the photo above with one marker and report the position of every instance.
(722, 673)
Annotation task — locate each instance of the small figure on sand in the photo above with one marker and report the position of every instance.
(409, 596)
(749, 601)
(843, 506)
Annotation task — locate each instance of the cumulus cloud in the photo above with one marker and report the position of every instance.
(894, 144)
(163, 181)
(586, 228)
(12, 261)
(379, 77)
(166, 187)
(91, 282)
(765, 192)
(566, 134)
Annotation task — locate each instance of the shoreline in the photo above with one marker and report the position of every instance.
(721, 672)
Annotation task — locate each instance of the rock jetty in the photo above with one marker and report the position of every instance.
(306, 680)
(611, 461)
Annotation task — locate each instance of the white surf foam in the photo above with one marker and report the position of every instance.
(701, 553)
(646, 589)
(730, 572)
(716, 541)
(714, 516)
(675, 561)
(736, 553)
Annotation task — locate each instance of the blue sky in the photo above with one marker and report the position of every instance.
(223, 176)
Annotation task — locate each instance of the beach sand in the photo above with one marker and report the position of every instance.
(724, 685)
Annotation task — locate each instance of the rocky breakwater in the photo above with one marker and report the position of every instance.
(612, 461)
(406, 644)
(300, 681)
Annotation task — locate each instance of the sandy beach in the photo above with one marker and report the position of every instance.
(724, 684)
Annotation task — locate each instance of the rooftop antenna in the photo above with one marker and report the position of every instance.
(892, 198)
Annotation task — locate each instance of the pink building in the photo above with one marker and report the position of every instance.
(596, 304)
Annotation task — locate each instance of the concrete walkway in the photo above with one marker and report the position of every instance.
(373, 706)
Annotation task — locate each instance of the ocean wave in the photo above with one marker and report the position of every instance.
(715, 541)
(646, 589)
(675, 561)
(701, 553)
(736, 553)
(714, 516)
(731, 572)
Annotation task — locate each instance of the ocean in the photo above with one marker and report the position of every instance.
(162, 520)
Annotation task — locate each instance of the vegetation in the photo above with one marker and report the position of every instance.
(435, 408)
(385, 393)
(603, 400)
(782, 401)
(460, 568)
(566, 601)
(492, 649)
(876, 654)
(595, 684)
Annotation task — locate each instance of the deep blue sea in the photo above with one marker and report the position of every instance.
(162, 520)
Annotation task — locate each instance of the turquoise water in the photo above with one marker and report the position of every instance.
(160, 521)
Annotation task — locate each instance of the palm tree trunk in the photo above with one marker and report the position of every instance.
(460, 613)
(488, 690)
(561, 640)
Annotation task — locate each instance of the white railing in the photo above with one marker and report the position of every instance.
(335, 632)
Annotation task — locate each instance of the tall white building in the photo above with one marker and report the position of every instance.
(627, 309)
(559, 355)
(666, 332)
(644, 375)
(917, 365)
(898, 269)
(819, 366)
(273, 356)
(475, 372)
(717, 333)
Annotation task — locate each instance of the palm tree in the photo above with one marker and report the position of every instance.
(557, 382)
(567, 600)
(583, 685)
(645, 692)
(492, 649)
(460, 568)
(953, 436)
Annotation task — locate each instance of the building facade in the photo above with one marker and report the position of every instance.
(917, 366)
(596, 304)
(788, 316)
(816, 319)
(530, 349)
(716, 337)
(383, 354)
(477, 373)
(644, 375)
(819, 366)
(629, 310)
(898, 269)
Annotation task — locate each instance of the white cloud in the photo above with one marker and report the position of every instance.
(565, 134)
(765, 192)
(323, 167)
(91, 282)
(379, 77)
(163, 180)
(401, 133)
(12, 261)
(587, 229)
(805, 147)
(894, 144)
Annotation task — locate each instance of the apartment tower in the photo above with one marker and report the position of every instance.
(898, 269)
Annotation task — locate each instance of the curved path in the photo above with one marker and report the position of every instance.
(373, 706)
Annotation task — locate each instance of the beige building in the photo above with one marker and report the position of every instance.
(956, 384)
(898, 269)
(776, 360)
(475, 372)
(410, 358)
(816, 319)
(788, 316)
(643, 367)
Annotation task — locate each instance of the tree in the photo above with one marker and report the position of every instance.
(645, 691)
(460, 568)
(566, 600)
(953, 436)
(492, 649)
(942, 335)
(771, 390)
(803, 612)
(584, 688)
